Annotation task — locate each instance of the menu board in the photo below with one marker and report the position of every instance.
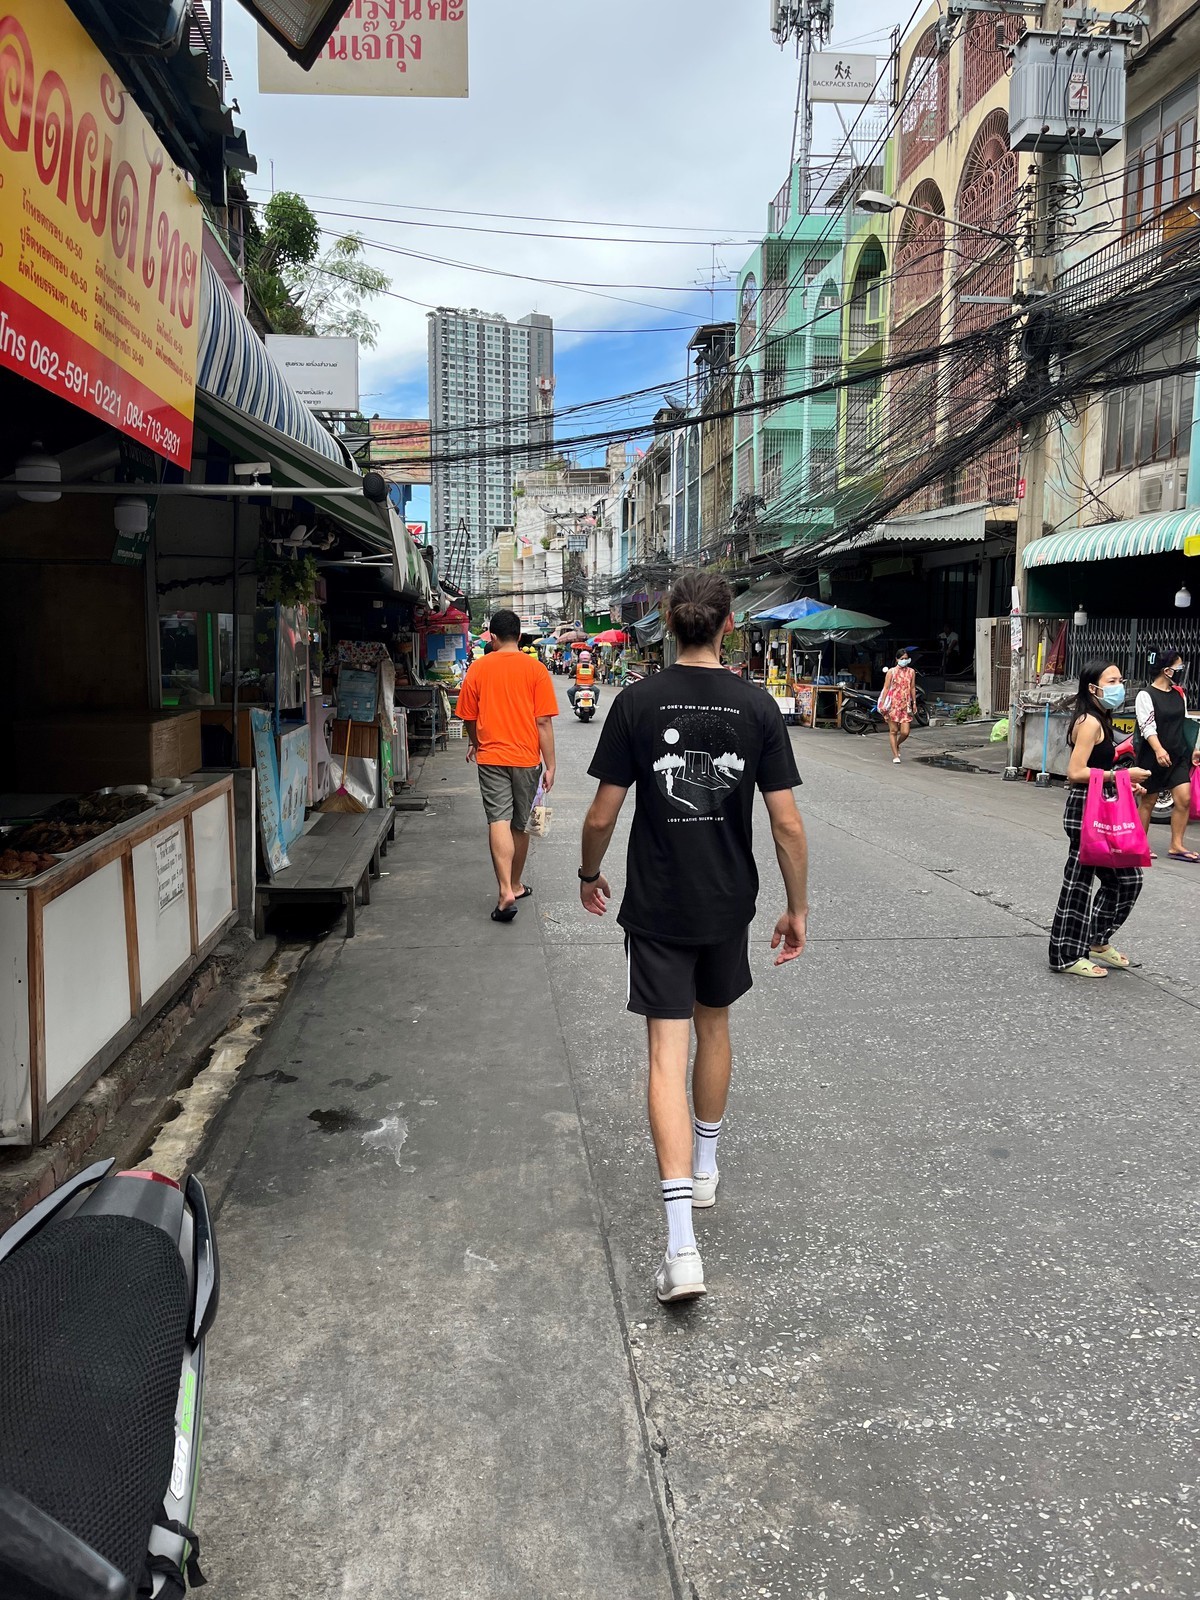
(293, 783)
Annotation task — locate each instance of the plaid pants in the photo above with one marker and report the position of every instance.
(1081, 922)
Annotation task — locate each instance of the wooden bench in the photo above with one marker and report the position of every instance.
(335, 859)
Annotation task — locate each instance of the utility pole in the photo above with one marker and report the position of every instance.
(1031, 506)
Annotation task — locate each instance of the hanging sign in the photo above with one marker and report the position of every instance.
(839, 79)
(386, 47)
(100, 237)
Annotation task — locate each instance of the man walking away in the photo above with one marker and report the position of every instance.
(693, 740)
(506, 704)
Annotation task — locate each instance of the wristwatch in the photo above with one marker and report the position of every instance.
(583, 877)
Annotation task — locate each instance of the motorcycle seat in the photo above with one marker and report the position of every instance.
(93, 1323)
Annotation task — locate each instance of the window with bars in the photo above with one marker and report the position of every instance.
(745, 469)
(984, 60)
(1162, 157)
(772, 468)
(925, 104)
(822, 462)
(1152, 420)
(826, 359)
(745, 397)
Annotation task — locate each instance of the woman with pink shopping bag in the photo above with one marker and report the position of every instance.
(1084, 924)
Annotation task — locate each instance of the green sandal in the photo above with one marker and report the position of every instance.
(1084, 969)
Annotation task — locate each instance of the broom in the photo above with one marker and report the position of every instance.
(343, 800)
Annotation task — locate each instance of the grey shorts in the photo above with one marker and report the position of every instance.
(508, 794)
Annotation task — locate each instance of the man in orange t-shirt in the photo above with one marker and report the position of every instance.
(506, 705)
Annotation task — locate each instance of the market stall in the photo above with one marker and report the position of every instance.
(109, 910)
(817, 696)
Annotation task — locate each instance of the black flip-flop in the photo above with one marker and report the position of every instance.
(524, 894)
(503, 916)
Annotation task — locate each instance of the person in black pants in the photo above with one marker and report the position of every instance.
(1081, 937)
(1165, 749)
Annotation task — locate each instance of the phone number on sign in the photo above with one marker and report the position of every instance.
(104, 396)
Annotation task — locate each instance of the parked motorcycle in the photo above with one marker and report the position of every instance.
(108, 1289)
(861, 713)
(1164, 803)
(583, 703)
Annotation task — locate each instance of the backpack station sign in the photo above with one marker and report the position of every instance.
(100, 237)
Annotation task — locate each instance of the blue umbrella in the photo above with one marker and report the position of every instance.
(790, 610)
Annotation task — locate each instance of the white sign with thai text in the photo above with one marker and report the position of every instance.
(169, 865)
(386, 47)
(323, 370)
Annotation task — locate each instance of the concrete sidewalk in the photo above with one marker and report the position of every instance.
(420, 1382)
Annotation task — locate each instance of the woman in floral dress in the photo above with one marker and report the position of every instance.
(898, 700)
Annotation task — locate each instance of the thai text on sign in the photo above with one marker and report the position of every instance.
(100, 237)
(390, 47)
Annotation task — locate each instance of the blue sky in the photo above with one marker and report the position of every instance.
(676, 115)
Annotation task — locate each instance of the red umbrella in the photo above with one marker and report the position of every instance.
(611, 636)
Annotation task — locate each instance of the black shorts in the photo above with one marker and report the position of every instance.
(669, 980)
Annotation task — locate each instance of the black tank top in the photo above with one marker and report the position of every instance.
(1170, 713)
(1103, 755)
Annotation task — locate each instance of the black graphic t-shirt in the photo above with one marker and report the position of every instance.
(694, 741)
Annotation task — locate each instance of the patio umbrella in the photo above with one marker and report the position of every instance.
(837, 624)
(611, 636)
(790, 611)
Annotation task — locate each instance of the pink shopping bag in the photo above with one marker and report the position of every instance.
(1112, 833)
(1194, 810)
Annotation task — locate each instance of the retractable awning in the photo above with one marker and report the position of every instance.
(649, 629)
(244, 400)
(1110, 541)
(763, 595)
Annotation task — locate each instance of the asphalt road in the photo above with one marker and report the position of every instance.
(949, 1347)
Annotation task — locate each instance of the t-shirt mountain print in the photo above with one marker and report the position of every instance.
(694, 742)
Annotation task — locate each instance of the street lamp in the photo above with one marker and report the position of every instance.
(878, 204)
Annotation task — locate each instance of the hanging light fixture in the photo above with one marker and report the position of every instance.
(1183, 597)
(1080, 617)
(36, 467)
(131, 515)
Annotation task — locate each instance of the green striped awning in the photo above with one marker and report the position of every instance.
(1108, 541)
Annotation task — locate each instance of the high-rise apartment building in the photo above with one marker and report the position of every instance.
(491, 394)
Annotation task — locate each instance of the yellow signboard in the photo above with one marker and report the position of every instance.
(389, 47)
(1191, 545)
(100, 237)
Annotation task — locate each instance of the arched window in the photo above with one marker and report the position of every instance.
(925, 103)
(983, 283)
(745, 397)
(920, 251)
(987, 198)
(749, 313)
(984, 61)
(829, 299)
(866, 300)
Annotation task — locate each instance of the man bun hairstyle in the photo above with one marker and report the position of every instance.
(698, 605)
(505, 625)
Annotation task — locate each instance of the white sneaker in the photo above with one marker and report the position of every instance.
(704, 1189)
(681, 1277)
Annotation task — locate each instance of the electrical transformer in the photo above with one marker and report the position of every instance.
(1067, 92)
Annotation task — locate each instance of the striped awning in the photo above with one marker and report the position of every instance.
(1108, 541)
(236, 367)
(244, 400)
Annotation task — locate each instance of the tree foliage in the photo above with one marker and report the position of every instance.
(301, 288)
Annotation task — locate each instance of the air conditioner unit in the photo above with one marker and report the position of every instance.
(1161, 490)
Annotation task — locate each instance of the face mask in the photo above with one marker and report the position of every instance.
(1113, 696)
(1177, 671)
(903, 661)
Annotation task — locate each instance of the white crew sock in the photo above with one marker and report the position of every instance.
(704, 1146)
(677, 1197)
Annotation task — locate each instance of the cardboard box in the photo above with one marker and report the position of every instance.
(74, 754)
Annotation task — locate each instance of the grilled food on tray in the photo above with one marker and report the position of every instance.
(23, 864)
